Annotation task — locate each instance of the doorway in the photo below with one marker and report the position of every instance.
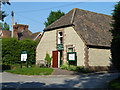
(57, 58)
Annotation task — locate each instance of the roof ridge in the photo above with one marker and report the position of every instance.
(73, 15)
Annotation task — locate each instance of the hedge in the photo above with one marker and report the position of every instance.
(12, 48)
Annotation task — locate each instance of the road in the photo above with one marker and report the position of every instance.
(57, 81)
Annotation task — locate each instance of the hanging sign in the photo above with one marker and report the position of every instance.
(60, 46)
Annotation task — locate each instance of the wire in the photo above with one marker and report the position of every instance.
(31, 20)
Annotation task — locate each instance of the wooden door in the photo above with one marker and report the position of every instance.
(55, 59)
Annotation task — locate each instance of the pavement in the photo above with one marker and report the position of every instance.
(96, 80)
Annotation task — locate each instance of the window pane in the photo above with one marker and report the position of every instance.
(61, 34)
(61, 40)
(70, 49)
(58, 40)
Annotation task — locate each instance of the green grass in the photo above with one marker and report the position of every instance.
(31, 71)
(115, 84)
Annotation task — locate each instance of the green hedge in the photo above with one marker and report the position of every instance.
(12, 48)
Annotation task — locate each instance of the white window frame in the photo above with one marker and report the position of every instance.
(59, 42)
(70, 47)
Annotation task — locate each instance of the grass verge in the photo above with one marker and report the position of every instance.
(114, 84)
(31, 71)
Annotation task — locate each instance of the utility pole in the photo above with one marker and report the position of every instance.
(12, 14)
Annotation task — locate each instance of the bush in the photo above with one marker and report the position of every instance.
(81, 69)
(40, 65)
(5, 67)
(74, 68)
(48, 59)
(12, 48)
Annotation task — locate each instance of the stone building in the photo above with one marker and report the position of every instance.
(80, 37)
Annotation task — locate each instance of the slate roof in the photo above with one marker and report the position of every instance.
(92, 27)
(27, 35)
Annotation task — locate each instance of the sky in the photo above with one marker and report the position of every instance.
(35, 14)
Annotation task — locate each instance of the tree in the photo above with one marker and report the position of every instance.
(4, 26)
(2, 13)
(115, 45)
(53, 16)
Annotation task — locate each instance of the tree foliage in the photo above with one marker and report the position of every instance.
(4, 26)
(2, 13)
(115, 45)
(53, 16)
(12, 48)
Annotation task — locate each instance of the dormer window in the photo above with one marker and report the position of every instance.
(60, 37)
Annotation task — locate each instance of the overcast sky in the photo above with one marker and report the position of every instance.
(35, 13)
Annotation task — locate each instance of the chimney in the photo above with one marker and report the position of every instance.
(15, 23)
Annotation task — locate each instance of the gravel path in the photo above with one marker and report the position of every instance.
(57, 81)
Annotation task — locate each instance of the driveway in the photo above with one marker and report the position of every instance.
(57, 81)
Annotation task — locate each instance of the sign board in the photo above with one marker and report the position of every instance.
(23, 57)
(60, 46)
(71, 56)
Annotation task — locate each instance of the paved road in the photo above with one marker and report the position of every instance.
(62, 81)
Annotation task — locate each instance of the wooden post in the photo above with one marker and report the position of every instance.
(12, 14)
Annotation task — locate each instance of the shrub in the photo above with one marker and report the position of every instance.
(81, 69)
(5, 67)
(41, 65)
(74, 68)
(64, 66)
(48, 59)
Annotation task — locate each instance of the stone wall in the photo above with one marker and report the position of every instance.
(46, 44)
(99, 57)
